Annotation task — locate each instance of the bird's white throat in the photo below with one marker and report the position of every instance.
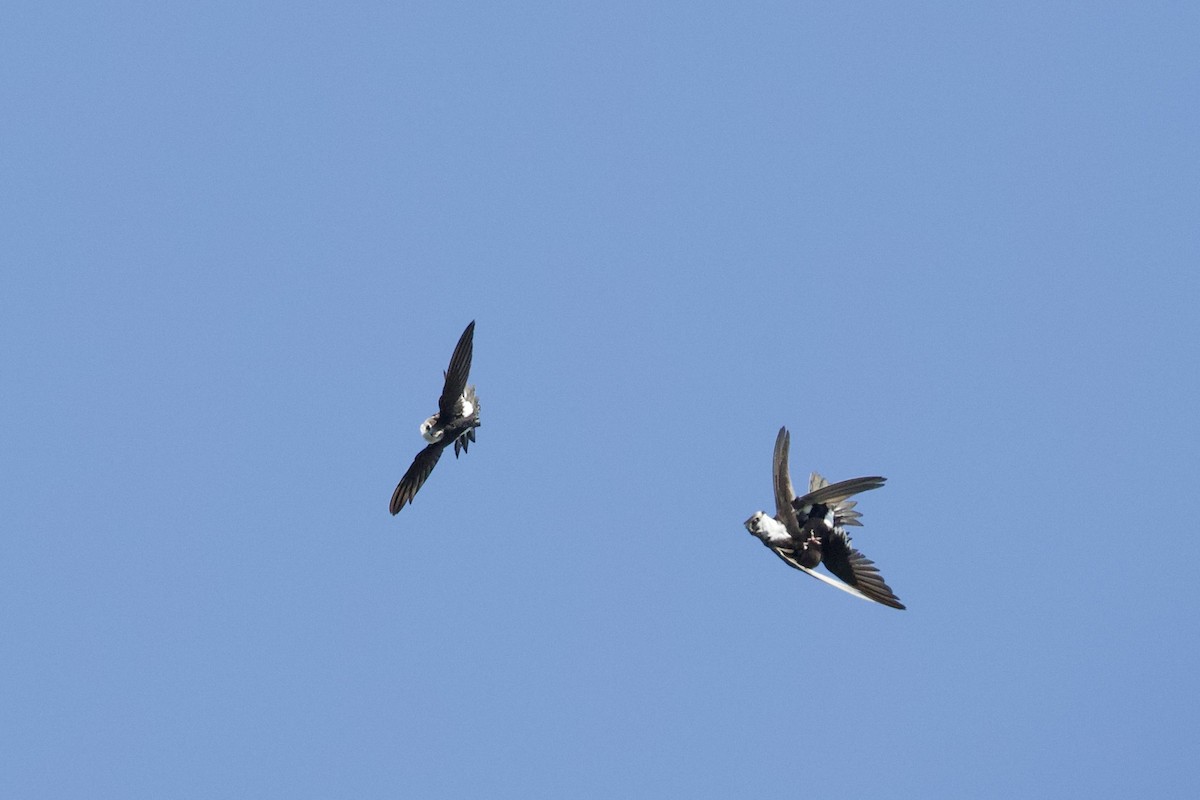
(771, 529)
(429, 430)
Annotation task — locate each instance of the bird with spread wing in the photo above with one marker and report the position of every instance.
(455, 422)
(811, 530)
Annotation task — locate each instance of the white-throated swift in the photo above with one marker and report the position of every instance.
(810, 530)
(455, 421)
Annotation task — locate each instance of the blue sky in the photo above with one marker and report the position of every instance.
(951, 244)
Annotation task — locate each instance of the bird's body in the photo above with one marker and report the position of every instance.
(811, 530)
(454, 423)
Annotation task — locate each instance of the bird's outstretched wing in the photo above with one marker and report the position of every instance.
(856, 569)
(789, 557)
(412, 481)
(456, 374)
(784, 493)
(836, 496)
(832, 493)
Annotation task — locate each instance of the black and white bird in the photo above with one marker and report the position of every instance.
(810, 530)
(455, 422)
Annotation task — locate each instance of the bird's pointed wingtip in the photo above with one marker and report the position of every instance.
(398, 500)
(783, 440)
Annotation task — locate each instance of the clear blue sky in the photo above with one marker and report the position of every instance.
(951, 244)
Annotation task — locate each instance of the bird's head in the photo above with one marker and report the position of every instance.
(769, 530)
(755, 525)
(429, 430)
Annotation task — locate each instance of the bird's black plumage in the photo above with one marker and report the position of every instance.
(455, 422)
(414, 477)
(456, 374)
(815, 528)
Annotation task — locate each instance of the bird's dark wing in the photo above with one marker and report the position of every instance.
(856, 569)
(784, 493)
(835, 496)
(456, 374)
(836, 492)
(788, 556)
(422, 465)
(844, 513)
